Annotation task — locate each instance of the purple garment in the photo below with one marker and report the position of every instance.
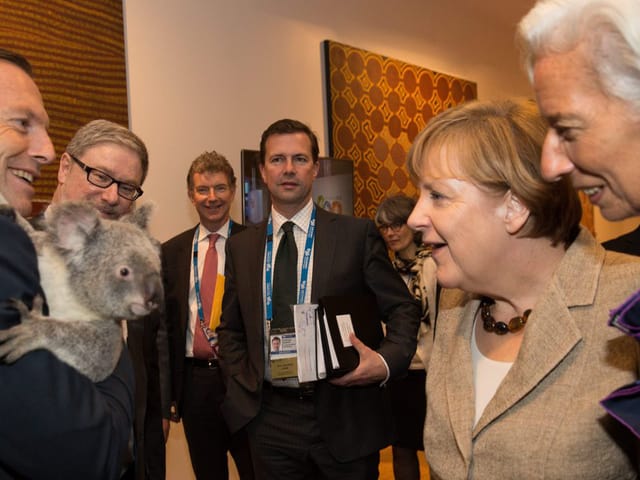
(624, 403)
(627, 316)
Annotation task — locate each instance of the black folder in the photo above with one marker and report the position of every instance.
(366, 323)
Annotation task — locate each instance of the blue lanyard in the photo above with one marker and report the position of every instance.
(196, 277)
(302, 289)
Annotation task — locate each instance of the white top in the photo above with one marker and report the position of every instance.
(487, 376)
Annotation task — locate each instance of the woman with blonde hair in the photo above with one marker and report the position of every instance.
(521, 354)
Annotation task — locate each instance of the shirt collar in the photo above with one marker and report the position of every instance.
(223, 231)
(300, 219)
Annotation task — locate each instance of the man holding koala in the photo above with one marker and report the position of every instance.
(106, 165)
(193, 263)
(56, 421)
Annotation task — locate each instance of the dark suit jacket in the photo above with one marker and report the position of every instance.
(55, 423)
(628, 243)
(176, 272)
(349, 258)
(149, 349)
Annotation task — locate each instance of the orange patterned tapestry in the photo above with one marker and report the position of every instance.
(376, 106)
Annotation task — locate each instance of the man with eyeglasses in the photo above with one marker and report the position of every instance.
(106, 164)
(193, 264)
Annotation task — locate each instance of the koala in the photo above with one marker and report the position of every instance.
(94, 272)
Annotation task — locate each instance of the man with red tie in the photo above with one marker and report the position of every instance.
(193, 271)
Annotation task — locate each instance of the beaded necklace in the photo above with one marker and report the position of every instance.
(500, 328)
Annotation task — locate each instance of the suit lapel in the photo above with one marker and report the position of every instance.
(183, 257)
(255, 264)
(324, 247)
(550, 336)
(459, 383)
(551, 333)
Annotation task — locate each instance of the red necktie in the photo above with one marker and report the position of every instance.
(201, 347)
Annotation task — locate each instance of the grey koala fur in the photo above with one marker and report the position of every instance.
(94, 272)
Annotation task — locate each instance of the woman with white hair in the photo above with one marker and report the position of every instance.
(583, 58)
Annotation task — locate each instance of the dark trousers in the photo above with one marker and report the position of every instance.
(286, 444)
(207, 433)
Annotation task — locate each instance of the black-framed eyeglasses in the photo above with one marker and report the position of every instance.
(394, 227)
(103, 180)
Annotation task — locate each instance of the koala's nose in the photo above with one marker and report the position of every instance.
(154, 293)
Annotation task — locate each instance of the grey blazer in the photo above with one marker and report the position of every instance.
(545, 420)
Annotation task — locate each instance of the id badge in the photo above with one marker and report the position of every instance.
(283, 355)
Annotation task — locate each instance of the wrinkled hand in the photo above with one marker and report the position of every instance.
(371, 368)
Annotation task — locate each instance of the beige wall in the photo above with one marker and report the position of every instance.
(212, 74)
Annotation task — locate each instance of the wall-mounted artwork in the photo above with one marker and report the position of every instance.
(332, 188)
(375, 107)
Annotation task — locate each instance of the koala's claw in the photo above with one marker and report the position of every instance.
(15, 342)
(38, 303)
(26, 315)
(20, 306)
(22, 338)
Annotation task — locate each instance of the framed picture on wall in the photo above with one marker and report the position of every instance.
(332, 189)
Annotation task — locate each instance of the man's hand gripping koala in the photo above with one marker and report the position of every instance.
(95, 273)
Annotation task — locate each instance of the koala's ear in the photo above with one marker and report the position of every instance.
(140, 216)
(72, 223)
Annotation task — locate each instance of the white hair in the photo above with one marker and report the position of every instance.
(610, 29)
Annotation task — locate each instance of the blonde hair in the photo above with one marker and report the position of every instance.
(497, 146)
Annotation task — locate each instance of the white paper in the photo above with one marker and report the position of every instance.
(345, 325)
(332, 351)
(304, 317)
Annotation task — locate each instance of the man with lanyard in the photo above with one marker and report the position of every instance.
(193, 267)
(329, 428)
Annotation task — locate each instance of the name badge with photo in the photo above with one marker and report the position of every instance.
(283, 356)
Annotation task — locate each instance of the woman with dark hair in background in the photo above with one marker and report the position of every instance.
(414, 264)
